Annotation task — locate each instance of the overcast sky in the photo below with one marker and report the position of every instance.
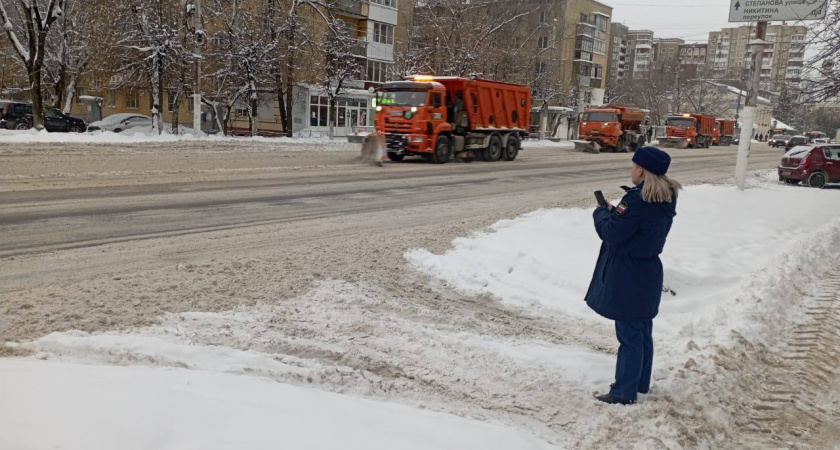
(691, 20)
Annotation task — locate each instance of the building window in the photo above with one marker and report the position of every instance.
(543, 16)
(318, 106)
(80, 92)
(383, 33)
(540, 68)
(388, 3)
(543, 42)
(132, 100)
(377, 71)
(112, 99)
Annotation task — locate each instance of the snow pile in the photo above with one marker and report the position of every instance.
(546, 143)
(69, 406)
(545, 259)
(138, 136)
(738, 264)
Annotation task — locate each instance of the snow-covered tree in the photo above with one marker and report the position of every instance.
(459, 34)
(245, 58)
(340, 63)
(78, 40)
(152, 49)
(821, 74)
(27, 24)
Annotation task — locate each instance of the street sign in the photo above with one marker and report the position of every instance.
(777, 10)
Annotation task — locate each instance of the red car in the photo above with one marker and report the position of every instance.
(816, 165)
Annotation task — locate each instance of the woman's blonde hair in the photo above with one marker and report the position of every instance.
(659, 188)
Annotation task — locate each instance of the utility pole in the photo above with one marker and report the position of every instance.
(750, 105)
(199, 42)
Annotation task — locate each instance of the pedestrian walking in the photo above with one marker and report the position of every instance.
(627, 283)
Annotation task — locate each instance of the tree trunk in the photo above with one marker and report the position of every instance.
(176, 120)
(37, 101)
(281, 104)
(290, 76)
(68, 100)
(252, 115)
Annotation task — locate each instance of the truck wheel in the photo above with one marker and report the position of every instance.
(494, 150)
(442, 150)
(511, 149)
(395, 156)
(621, 147)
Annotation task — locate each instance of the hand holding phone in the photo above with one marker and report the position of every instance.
(599, 196)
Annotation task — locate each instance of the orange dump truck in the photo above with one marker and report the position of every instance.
(444, 117)
(727, 131)
(689, 130)
(617, 128)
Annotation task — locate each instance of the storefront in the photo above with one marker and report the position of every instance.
(353, 110)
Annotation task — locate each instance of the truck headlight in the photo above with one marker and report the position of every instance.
(414, 109)
(378, 108)
(418, 139)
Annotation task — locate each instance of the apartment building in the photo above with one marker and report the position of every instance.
(617, 55)
(377, 28)
(639, 53)
(729, 54)
(665, 53)
(587, 72)
(692, 58)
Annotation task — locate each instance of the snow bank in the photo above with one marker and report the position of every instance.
(146, 136)
(720, 237)
(59, 405)
(545, 143)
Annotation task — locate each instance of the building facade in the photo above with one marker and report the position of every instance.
(729, 54)
(692, 58)
(587, 52)
(639, 53)
(617, 55)
(665, 53)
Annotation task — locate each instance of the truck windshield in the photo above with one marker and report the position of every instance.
(681, 122)
(599, 117)
(403, 98)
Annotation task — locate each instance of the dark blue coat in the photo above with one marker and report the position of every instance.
(627, 283)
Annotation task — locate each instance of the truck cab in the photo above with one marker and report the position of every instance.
(411, 115)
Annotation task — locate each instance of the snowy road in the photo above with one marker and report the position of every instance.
(290, 266)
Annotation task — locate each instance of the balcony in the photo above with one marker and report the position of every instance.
(359, 48)
(349, 7)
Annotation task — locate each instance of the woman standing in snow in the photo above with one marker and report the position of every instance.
(627, 284)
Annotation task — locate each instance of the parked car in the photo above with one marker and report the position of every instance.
(779, 140)
(816, 166)
(820, 141)
(121, 122)
(18, 116)
(796, 141)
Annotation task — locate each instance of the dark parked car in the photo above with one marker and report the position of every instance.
(18, 116)
(817, 166)
(795, 141)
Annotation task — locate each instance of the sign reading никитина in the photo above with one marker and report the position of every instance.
(770, 10)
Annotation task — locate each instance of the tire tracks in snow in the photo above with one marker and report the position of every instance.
(787, 410)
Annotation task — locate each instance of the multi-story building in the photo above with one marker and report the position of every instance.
(729, 54)
(617, 55)
(375, 27)
(665, 53)
(639, 52)
(692, 58)
(588, 50)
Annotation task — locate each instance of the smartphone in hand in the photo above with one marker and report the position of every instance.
(599, 196)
